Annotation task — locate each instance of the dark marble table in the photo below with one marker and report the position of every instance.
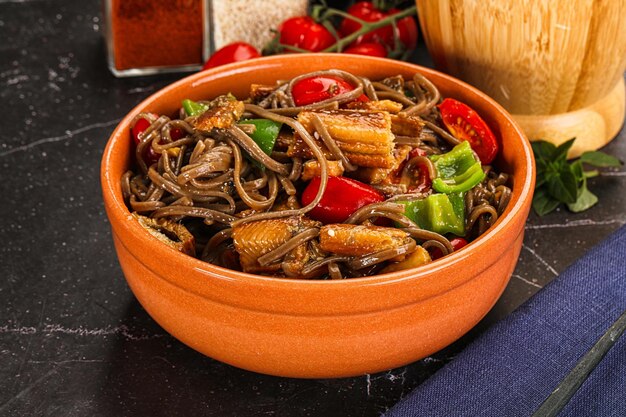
(73, 339)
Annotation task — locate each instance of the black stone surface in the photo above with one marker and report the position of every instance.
(73, 339)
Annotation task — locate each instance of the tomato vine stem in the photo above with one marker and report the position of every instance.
(366, 27)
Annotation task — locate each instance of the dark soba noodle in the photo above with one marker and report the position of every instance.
(206, 180)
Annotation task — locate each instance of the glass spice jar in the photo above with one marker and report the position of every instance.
(233, 20)
(154, 36)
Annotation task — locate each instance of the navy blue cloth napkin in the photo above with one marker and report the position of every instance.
(511, 368)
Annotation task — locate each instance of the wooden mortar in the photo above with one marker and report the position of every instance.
(556, 65)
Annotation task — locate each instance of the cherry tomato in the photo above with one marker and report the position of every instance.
(367, 48)
(314, 89)
(304, 33)
(422, 181)
(407, 30)
(342, 197)
(457, 243)
(176, 133)
(140, 126)
(233, 52)
(465, 124)
(150, 156)
(365, 10)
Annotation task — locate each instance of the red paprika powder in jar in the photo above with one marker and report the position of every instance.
(151, 36)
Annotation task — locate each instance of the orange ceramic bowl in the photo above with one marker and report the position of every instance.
(308, 328)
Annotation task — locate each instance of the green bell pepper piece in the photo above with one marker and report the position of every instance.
(458, 170)
(440, 213)
(193, 108)
(265, 133)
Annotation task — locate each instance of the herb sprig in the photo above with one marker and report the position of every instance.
(562, 182)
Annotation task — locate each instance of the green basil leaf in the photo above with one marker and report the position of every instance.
(585, 200)
(559, 181)
(553, 170)
(577, 169)
(543, 149)
(560, 154)
(543, 203)
(563, 185)
(599, 159)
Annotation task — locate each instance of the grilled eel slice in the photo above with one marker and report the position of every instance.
(364, 137)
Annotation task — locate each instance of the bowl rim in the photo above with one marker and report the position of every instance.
(112, 191)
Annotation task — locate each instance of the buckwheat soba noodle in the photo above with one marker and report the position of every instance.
(328, 176)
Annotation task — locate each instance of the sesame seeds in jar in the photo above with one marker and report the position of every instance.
(251, 22)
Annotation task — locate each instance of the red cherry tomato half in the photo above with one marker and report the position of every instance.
(465, 124)
(457, 243)
(342, 197)
(318, 88)
(367, 48)
(304, 33)
(234, 52)
(365, 10)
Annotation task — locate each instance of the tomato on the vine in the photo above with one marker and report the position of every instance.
(233, 52)
(367, 48)
(305, 33)
(465, 124)
(365, 10)
(318, 88)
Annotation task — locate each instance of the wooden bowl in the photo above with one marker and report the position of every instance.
(556, 65)
(309, 328)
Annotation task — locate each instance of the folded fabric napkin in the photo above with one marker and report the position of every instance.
(515, 365)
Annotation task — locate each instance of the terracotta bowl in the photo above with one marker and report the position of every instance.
(317, 329)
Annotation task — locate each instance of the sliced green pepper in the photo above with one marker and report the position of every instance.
(193, 108)
(458, 170)
(265, 133)
(440, 213)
